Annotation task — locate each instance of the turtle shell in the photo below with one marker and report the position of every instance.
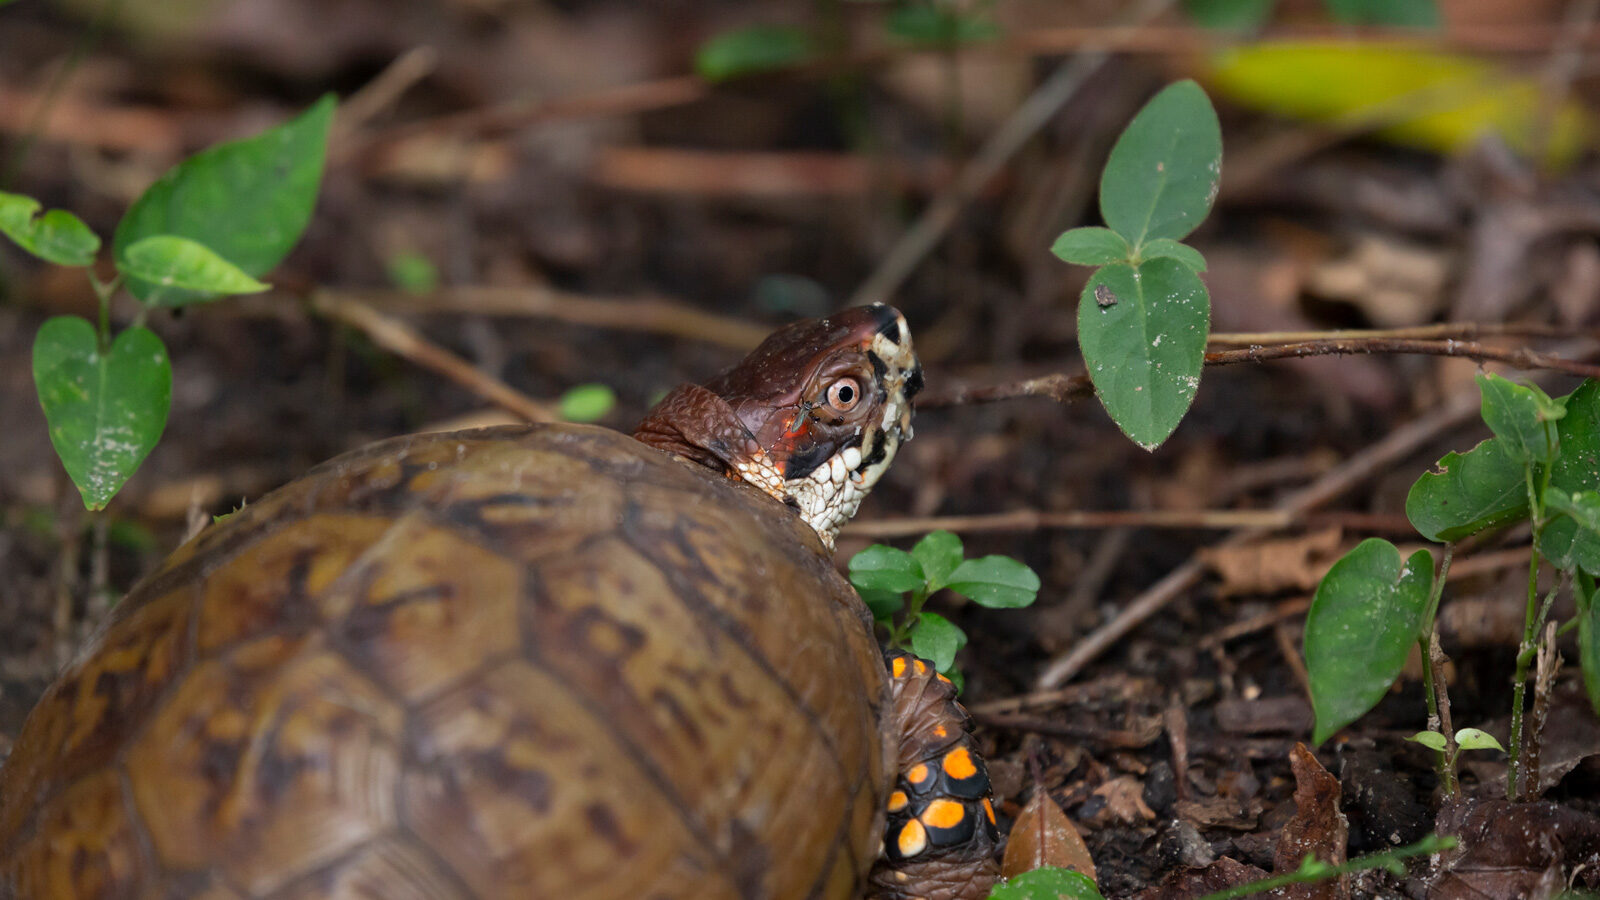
(532, 662)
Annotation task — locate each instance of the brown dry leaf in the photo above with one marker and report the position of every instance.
(1271, 566)
(1124, 799)
(1511, 851)
(1044, 836)
(1187, 884)
(1318, 828)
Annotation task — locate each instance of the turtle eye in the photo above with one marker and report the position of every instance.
(844, 394)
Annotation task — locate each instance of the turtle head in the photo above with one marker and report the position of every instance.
(812, 417)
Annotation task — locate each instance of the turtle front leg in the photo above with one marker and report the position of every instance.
(940, 840)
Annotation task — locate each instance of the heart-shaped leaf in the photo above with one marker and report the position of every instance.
(1162, 175)
(998, 582)
(937, 640)
(884, 568)
(1143, 336)
(169, 261)
(248, 201)
(939, 553)
(57, 236)
(1470, 492)
(1522, 417)
(1365, 616)
(1433, 740)
(1091, 247)
(106, 410)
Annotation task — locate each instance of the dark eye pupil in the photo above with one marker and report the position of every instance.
(846, 394)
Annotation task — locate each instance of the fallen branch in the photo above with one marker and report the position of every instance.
(1062, 387)
(400, 339)
(1034, 520)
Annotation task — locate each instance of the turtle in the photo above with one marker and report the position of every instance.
(548, 660)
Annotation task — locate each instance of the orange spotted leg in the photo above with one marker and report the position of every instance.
(940, 839)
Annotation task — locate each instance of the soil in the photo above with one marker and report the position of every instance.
(505, 144)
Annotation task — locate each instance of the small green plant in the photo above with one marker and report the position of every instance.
(1250, 14)
(895, 585)
(1144, 315)
(587, 403)
(1542, 467)
(1052, 883)
(204, 230)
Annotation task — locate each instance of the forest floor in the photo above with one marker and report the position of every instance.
(543, 190)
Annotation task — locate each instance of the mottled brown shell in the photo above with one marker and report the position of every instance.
(532, 662)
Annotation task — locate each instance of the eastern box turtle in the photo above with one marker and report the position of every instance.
(530, 662)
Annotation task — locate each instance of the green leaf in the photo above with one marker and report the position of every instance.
(412, 272)
(1576, 469)
(57, 236)
(1433, 740)
(1091, 247)
(1143, 337)
(1589, 636)
(998, 582)
(1364, 619)
(1477, 739)
(934, 23)
(105, 410)
(939, 553)
(884, 604)
(747, 51)
(1522, 417)
(587, 402)
(1167, 247)
(1583, 507)
(1411, 13)
(884, 568)
(248, 201)
(1468, 493)
(1230, 15)
(1049, 883)
(168, 261)
(937, 640)
(1162, 174)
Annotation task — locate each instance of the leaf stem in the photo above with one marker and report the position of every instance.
(1312, 870)
(1433, 682)
(1519, 680)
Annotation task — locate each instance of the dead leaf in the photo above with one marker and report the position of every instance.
(1124, 798)
(1268, 567)
(1187, 884)
(1512, 850)
(1043, 836)
(1318, 828)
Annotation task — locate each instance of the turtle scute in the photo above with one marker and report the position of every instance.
(526, 662)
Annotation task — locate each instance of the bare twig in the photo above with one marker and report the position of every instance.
(1023, 124)
(540, 302)
(1461, 331)
(385, 89)
(1544, 679)
(1519, 357)
(1396, 445)
(399, 338)
(494, 121)
(1062, 387)
(1034, 520)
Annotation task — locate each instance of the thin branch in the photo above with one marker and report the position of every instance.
(1395, 446)
(399, 338)
(1034, 520)
(1062, 387)
(1461, 331)
(1520, 357)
